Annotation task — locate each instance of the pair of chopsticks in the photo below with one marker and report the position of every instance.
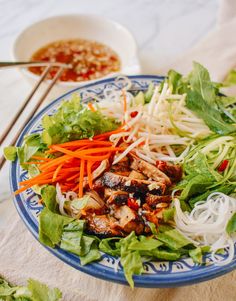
(48, 66)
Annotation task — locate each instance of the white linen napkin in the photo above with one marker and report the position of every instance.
(22, 257)
(216, 51)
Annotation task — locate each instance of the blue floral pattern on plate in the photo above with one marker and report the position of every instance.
(157, 274)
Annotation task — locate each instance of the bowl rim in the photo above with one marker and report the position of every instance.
(70, 84)
(146, 280)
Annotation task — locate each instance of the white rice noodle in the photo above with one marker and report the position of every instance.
(60, 199)
(144, 157)
(129, 149)
(206, 224)
(97, 172)
(113, 137)
(132, 134)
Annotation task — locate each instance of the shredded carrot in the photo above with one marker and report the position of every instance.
(21, 189)
(108, 134)
(125, 101)
(73, 177)
(78, 143)
(91, 107)
(89, 172)
(33, 162)
(54, 177)
(41, 158)
(81, 178)
(76, 160)
(80, 154)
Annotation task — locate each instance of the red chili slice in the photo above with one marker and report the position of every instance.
(161, 165)
(223, 165)
(133, 204)
(133, 114)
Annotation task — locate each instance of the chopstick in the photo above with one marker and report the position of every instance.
(32, 64)
(33, 111)
(21, 109)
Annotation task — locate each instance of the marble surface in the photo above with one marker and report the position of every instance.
(163, 30)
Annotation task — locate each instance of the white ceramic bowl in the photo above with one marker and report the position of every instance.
(91, 27)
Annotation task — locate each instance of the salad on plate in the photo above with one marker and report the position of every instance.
(141, 176)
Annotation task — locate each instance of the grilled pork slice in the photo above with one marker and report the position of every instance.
(174, 172)
(136, 175)
(117, 197)
(115, 181)
(128, 220)
(122, 168)
(153, 200)
(102, 225)
(150, 170)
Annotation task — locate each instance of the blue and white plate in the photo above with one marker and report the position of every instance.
(157, 274)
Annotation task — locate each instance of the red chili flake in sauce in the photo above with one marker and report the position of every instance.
(161, 165)
(133, 204)
(89, 59)
(133, 114)
(223, 165)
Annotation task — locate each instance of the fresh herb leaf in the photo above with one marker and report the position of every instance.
(34, 291)
(231, 225)
(73, 121)
(230, 79)
(148, 94)
(6, 289)
(226, 189)
(211, 115)
(41, 292)
(201, 83)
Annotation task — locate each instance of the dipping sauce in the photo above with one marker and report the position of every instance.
(89, 59)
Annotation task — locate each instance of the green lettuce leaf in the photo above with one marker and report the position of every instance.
(173, 239)
(130, 260)
(165, 254)
(10, 153)
(48, 194)
(92, 255)
(144, 243)
(108, 245)
(51, 226)
(71, 237)
(168, 214)
(196, 255)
